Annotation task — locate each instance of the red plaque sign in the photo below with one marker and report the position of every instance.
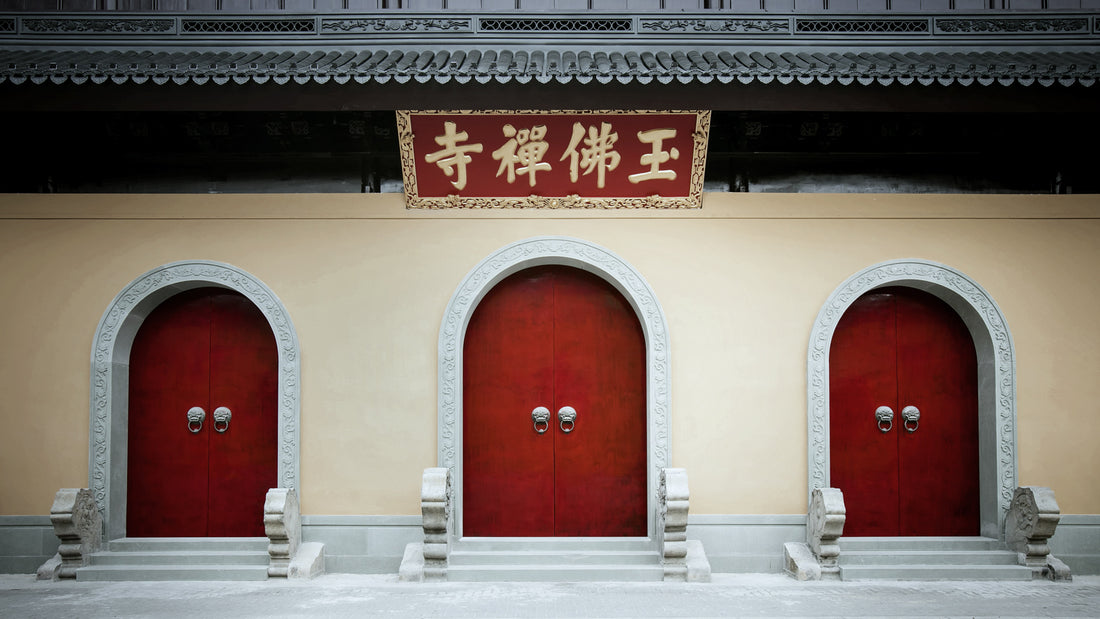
(553, 159)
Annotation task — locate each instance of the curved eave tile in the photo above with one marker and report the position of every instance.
(674, 66)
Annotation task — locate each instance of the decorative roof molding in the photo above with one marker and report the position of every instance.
(1013, 25)
(923, 49)
(560, 27)
(366, 25)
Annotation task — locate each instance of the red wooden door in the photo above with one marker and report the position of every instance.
(208, 348)
(554, 337)
(900, 347)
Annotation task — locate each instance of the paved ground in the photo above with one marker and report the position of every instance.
(752, 595)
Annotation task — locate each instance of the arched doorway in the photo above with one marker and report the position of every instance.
(114, 337)
(903, 421)
(554, 409)
(202, 418)
(552, 250)
(996, 360)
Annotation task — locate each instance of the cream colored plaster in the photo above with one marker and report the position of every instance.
(366, 284)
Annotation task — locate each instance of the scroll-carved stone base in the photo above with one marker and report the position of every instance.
(435, 509)
(283, 527)
(1032, 519)
(77, 523)
(824, 526)
(672, 520)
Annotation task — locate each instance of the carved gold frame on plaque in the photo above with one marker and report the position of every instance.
(694, 199)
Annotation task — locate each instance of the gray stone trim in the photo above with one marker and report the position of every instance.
(25, 543)
(996, 375)
(570, 252)
(110, 374)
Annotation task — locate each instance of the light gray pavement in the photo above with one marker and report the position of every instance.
(749, 595)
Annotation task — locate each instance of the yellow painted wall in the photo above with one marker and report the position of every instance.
(366, 283)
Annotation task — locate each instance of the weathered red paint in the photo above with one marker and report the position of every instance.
(898, 347)
(554, 337)
(208, 347)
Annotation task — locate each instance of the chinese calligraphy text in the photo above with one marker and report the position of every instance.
(553, 159)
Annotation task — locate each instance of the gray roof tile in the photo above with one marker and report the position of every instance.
(495, 65)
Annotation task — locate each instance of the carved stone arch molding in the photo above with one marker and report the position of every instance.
(569, 252)
(996, 374)
(110, 373)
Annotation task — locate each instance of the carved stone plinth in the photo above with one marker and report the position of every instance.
(672, 520)
(1032, 518)
(77, 523)
(824, 526)
(435, 508)
(283, 526)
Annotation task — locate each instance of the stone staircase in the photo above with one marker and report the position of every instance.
(928, 558)
(181, 558)
(554, 560)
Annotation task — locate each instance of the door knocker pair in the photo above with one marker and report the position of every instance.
(884, 417)
(566, 415)
(196, 416)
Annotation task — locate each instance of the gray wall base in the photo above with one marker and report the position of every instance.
(26, 542)
(1077, 543)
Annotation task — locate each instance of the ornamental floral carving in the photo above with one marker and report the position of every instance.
(1007, 26)
(94, 26)
(395, 25)
(717, 25)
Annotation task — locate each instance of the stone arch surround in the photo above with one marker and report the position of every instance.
(110, 374)
(565, 251)
(996, 375)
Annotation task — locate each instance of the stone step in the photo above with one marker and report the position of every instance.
(170, 544)
(555, 573)
(884, 544)
(554, 544)
(536, 557)
(181, 557)
(929, 557)
(934, 572)
(172, 572)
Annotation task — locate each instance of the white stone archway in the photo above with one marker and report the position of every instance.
(996, 375)
(569, 252)
(110, 374)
